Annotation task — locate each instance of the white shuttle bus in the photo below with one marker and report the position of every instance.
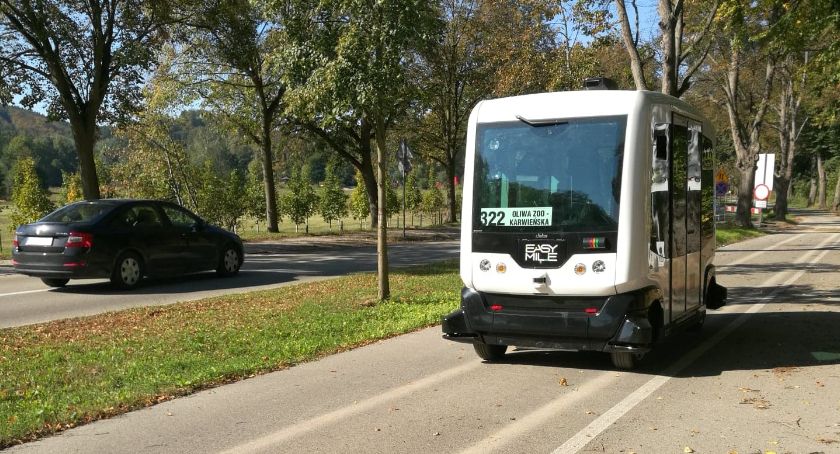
(587, 223)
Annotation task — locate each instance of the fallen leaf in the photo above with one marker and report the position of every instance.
(563, 381)
(687, 450)
(437, 434)
(827, 441)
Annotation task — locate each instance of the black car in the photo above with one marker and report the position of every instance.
(122, 240)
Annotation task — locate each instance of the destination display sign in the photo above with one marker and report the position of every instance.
(516, 217)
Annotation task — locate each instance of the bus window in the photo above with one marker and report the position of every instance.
(660, 175)
(565, 176)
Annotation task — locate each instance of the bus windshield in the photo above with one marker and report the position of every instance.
(560, 176)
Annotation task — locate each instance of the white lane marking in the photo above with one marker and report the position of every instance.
(268, 441)
(596, 427)
(749, 257)
(512, 431)
(25, 292)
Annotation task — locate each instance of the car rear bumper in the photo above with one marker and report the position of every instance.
(58, 266)
(615, 323)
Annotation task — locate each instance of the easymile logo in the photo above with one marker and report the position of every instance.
(541, 253)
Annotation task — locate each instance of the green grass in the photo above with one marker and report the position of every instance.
(60, 374)
(728, 234)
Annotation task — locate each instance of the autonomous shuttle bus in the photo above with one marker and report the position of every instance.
(587, 223)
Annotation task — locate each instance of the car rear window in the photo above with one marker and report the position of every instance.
(78, 212)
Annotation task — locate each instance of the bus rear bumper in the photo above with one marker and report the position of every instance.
(619, 324)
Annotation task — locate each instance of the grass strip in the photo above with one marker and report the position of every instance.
(728, 234)
(56, 375)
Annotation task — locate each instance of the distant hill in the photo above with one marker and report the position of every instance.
(22, 121)
(27, 133)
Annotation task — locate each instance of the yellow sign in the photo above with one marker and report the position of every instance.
(721, 176)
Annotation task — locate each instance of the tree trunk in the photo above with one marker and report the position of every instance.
(821, 183)
(785, 152)
(268, 177)
(382, 228)
(667, 25)
(84, 136)
(630, 45)
(450, 191)
(835, 205)
(745, 195)
(812, 191)
(369, 180)
(781, 208)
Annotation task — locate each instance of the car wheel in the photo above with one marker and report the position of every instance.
(128, 271)
(625, 360)
(55, 282)
(489, 352)
(229, 262)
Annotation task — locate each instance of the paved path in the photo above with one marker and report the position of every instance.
(763, 375)
(25, 300)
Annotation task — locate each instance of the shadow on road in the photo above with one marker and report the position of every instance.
(768, 340)
(801, 338)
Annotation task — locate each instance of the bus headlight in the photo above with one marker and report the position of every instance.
(484, 265)
(580, 269)
(501, 267)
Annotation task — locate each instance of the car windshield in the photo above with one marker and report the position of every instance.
(559, 176)
(78, 212)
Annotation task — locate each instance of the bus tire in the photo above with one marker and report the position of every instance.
(489, 352)
(625, 360)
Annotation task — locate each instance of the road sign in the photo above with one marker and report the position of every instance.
(721, 187)
(761, 204)
(761, 192)
(721, 176)
(764, 170)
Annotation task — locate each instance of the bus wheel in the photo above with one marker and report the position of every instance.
(625, 360)
(489, 352)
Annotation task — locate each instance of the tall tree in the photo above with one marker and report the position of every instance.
(516, 42)
(745, 63)
(332, 201)
(684, 41)
(808, 77)
(231, 57)
(369, 48)
(789, 126)
(453, 80)
(30, 200)
(85, 59)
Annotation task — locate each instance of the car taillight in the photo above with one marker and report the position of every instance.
(78, 239)
(15, 242)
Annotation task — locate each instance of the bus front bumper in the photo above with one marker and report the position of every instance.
(608, 324)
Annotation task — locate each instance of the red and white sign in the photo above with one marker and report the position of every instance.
(761, 192)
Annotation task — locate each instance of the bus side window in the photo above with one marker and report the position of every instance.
(659, 243)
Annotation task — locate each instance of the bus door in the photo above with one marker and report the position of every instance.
(694, 219)
(685, 216)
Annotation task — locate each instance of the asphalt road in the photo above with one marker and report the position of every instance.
(763, 375)
(25, 300)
